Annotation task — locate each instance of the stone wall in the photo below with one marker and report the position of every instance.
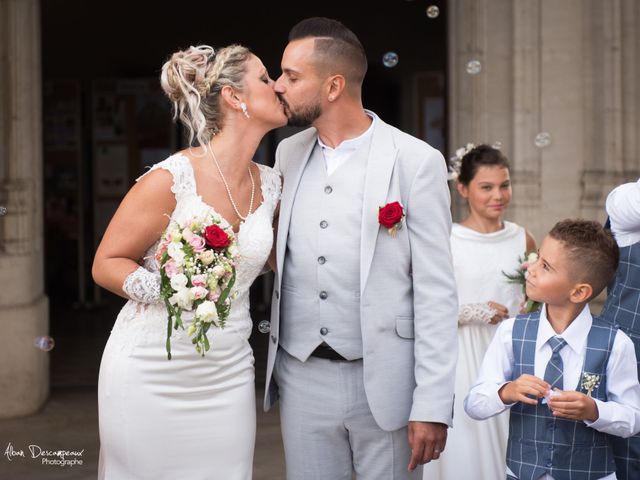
(567, 68)
(24, 370)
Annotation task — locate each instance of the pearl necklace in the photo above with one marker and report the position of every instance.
(226, 185)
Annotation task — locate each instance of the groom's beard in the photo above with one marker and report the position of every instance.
(304, 116)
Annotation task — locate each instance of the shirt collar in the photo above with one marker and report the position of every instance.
(352, 143)
(575, 335)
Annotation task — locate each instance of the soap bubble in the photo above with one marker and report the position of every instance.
(474, 67)
(390, 59)
(433, 11)
(543, 139)
(44, 343)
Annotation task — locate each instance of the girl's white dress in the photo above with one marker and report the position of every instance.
(190, 417)
(477, 449)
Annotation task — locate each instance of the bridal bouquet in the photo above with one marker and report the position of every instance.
(197, 271)
(520, 277)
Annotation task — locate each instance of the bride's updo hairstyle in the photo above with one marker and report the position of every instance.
(480, 156)
(193, 79)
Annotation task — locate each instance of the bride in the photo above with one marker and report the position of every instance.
(192, 416)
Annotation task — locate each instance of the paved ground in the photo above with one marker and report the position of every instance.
(69, 420)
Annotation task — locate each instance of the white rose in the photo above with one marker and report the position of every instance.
(532, 258)
(206, 257)
(218, 270)
(187, 234)
(175, 251)
(179, 281)
(182, 298)
(233, 251)
(460, 152)
(207, 312)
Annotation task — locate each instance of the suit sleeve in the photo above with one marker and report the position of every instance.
(434, 291)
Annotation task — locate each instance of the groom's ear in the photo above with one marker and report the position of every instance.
(335, 87)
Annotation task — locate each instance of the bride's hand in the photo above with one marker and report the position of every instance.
(502, 313)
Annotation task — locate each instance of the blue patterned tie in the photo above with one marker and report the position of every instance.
(553, 373)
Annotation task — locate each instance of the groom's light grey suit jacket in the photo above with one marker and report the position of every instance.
(408, 301)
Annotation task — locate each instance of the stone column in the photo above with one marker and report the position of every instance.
(568, 68)
(24, 370)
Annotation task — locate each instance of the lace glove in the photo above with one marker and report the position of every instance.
(142, 286)
(475, 313)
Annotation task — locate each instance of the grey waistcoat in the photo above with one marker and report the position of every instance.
(320, 295)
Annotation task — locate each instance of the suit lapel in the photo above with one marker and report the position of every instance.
(382, 158)
(289, 189)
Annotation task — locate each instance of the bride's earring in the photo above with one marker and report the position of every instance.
(243, 107)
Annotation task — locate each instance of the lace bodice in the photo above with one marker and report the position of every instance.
(255, 239)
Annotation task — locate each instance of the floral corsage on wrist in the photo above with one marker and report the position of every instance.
(391, 216)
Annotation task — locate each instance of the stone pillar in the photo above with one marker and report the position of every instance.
(24, 370)
(568, 68)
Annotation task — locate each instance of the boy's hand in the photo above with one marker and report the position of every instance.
(573, 405)
(524, 385)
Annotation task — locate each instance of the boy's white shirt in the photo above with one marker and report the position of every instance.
(623, 208)
(620, 415)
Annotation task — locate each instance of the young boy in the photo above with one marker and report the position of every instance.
(568, 378)
(622, 307)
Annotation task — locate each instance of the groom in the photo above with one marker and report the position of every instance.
(363, 337)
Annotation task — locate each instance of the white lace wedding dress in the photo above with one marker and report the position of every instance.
(190, 417)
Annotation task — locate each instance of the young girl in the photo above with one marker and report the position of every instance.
(483, 246)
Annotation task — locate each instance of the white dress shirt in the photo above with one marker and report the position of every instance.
(620, 415)
(334, 157)
(623, 208)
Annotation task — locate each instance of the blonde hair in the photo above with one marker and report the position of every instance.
(193, 79)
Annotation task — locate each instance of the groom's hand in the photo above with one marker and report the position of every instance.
(427, 440)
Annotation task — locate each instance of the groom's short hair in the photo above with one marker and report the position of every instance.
(338, 49)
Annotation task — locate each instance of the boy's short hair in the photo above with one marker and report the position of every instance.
(592, 251)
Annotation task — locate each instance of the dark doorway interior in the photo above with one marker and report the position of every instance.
(104, 120)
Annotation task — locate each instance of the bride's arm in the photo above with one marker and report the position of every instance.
(137, 224)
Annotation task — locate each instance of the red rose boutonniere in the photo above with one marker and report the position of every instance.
(391, 216)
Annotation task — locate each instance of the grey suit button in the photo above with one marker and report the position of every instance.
(277, 294)
(324, 331)
(273, 338)
(323, 295)
(324, 224)
(328, 189)
(321, 260)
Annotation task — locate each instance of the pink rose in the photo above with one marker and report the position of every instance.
(197, 242)
(199, 280)
(199, 292)
(171, 268)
